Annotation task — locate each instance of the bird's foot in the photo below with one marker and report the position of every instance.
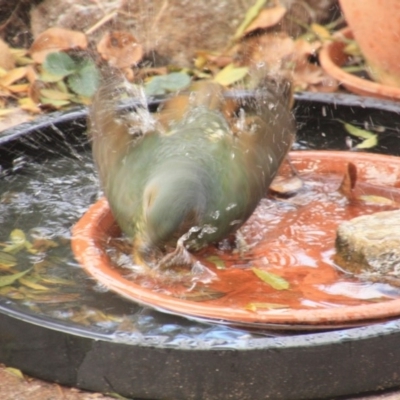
(182, 265)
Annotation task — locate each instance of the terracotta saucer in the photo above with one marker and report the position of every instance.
(98, 225)
(332, 57)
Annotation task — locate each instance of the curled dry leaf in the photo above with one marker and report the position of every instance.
(349, 181)
(120, 49)
(267, 18)
(56, 39)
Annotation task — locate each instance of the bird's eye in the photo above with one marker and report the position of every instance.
(149, 197)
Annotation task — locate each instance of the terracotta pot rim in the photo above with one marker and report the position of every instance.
(351, 82)
(88, 233)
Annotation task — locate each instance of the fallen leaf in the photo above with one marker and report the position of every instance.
(322, 33)
(378, 200)
(370, 139)
(55, 40)
(349, 181)
(7, 260)
(7, 280)
(251, 14)
(266, 18)
(368, 143)
(32, 284)
(27, 104)
(56, 94)
(275, 281)
(120, 49)
(230, 74)
(13, 76)
(14, 371)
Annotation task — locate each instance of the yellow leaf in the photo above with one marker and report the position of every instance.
(276, 281)
(321, 32)
(230, 74)
(33, 285)
(7, 111)
(19, 88)
(379, 200)
(28, 104)
(13, 76)
(56, 94)
(368, 143)
(266, 18)
(54, 103)
(249, 17)
(7, 260)
(14, 371)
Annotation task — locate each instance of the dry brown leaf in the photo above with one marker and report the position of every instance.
(349, 181)
(13, 76)
(7, 59)
(120, 49)
(19, 88)
(266, 18)
(56, 39)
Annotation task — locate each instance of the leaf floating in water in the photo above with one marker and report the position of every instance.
(275, 281)
(32, 284)
(200, 294)
(349, 180)
(368, 143)
(7, 260)
(18, 239)
(370, 139)
(7, 280)
(219, 263)
(378, 200)
(264, 306)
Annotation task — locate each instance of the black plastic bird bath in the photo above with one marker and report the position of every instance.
(73, 332)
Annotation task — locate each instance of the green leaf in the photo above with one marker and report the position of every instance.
(59, 64)
(252, 13)
(230, 74)
(162, 84)
(358, 132)
(271, 279)
(371, 139)
(368, 143)
(85, 80)
(7, 260)
(7, 280)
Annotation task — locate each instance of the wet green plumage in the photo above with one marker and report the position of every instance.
(202, 163)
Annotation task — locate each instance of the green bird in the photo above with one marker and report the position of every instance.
(193, 172)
